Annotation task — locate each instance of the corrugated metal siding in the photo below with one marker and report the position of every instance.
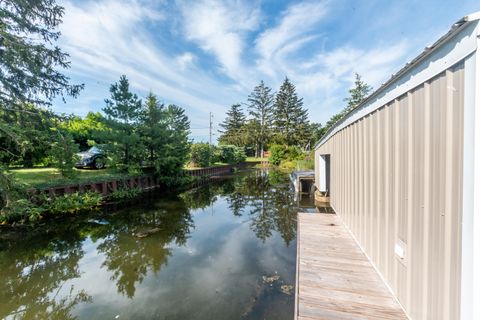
(396, 177)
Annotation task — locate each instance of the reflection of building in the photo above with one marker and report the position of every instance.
(403, 172)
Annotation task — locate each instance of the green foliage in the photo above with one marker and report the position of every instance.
(123, 112)
(253, 133)
(279, 153)
(86, 131)
(261, 109)
(8, 187)
(21, 210)
(358, 93)
(29, 65)
(125, 194)
(230, 154)
(315, 133)
(153, 127)
(173, 153)
(201, 154)
(73, 202)
(29, 60)
(24, 210)
(290, 118)
(63, 154)
(233, 127)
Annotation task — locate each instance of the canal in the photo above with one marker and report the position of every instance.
(223, 251)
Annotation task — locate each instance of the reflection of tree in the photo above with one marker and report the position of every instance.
(130, 258)
(272, 207)
(200, 198)
(266, 196)
(34, 273)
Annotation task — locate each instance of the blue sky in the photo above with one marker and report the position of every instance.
(206, 55)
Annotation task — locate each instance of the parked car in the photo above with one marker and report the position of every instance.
(94, 158)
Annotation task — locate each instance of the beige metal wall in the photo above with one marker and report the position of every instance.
(396, 178)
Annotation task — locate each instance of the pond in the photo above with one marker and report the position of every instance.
(223, 251)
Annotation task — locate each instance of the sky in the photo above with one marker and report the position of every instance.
(205, 55)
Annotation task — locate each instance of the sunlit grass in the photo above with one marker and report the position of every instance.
(39, 177)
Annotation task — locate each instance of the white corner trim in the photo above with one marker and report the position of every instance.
(476, 189)
(471, 184)
(472, 16)
(440, 59)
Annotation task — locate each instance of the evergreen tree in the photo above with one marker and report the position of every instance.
(153, 127)
(233, 126)
(261, 109)
(173, 154)
(252, 136)
(123, 112)
(290, 118)
(29, 64)
(28, 60)
(358, 93)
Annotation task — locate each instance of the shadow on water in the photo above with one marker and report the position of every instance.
(195, 249)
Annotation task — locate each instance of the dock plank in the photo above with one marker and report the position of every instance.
(335, 280)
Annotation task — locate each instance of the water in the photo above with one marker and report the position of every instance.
(223, 251)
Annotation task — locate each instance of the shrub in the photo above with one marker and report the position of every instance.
(73, 202)
(277, 154)
(63, 154)
(230, 154)
(25, 210)
(201, 154)
(125, 193)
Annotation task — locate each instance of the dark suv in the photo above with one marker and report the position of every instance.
(92, 158)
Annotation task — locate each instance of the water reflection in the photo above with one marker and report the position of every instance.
(265, 196)
(35, 274)
(47, 273)
(129, 256)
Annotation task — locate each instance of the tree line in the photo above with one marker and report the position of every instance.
(280, 118)
(133, 133)
(269, 118)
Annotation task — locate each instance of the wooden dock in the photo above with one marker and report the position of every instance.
(335, 280)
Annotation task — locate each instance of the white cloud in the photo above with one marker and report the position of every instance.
(185, 60)
(106, 39)
(220, 28)
(296, 20)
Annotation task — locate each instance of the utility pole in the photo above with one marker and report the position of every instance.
(210, 135)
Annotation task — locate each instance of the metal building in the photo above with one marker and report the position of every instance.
(403, 174)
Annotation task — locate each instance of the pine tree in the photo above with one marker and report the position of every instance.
(29, 61)
(233, 126)
(261, 109)
(290, 118)
(123, 113)
(358, 93)
(30, 73)
(173, 154)
(153, 126)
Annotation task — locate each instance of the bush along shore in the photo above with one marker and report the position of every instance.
(37, 204)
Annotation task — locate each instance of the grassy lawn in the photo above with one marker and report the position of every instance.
(43, 177)
(255, 159)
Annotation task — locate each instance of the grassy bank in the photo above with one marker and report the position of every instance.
(45, 177)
